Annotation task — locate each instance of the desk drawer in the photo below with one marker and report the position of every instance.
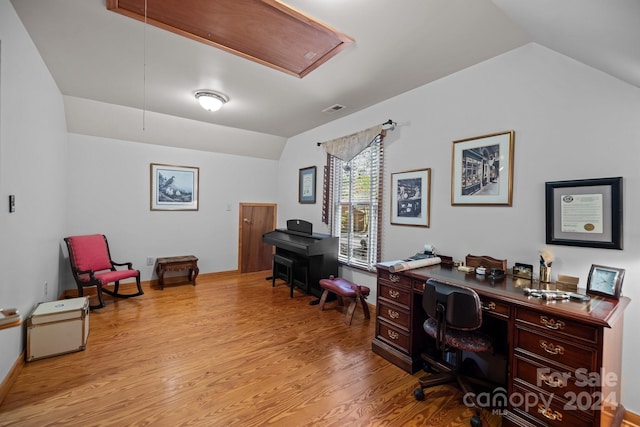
(534, 408)
(394, 315)
(397, 295)
(555, 349)
(393, 336)
(558, 381)
(394, 279)
(555, 324)
(495, 308)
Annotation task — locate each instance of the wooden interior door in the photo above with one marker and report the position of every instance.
(255, 220)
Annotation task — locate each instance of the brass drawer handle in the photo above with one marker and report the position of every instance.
(393, 314)
(550, 348)
(489, 307)
(551, 323)
(394, 294)
(393, 335)
(394, 278)
(548, 380)
(549, 413)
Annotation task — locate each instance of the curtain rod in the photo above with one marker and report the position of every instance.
(388, 122)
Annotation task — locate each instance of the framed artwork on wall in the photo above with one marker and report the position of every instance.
(410, 197)
(307, 185)
(482, 170)
(174, 188)
(605, 281)
(585, 212)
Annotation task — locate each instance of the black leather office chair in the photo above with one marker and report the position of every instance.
(455, 314)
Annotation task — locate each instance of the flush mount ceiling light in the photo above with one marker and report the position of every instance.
(211, 100)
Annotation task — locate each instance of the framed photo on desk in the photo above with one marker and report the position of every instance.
(605, 281)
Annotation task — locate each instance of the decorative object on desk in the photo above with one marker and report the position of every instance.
(481, 270)
(496, 274)
(482, 170)
(307, 185)
(545, 274)
(605, 281)
(174, 188)
(546, 259)
(485, 261)
(410, 197)
(585, 212)
(555, 295)
(523, 271)
(446, 260)
(567, 283)
(411, 264)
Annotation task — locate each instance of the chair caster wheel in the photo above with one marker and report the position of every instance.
(418, 394)
(476, 421)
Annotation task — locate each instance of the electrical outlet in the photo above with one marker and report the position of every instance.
(46, 288)
(149, 260)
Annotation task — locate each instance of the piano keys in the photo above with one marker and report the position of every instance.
(318, 252)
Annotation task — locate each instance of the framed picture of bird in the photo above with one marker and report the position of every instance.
(174, 187)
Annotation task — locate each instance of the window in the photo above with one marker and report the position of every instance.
(355, 204)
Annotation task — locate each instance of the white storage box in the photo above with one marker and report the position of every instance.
(57, 327)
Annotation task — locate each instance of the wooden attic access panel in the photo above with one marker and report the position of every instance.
(265, 31)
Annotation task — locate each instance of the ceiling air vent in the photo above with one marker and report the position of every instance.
(333, 108)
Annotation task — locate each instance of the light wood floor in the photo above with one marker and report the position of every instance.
(231, 351)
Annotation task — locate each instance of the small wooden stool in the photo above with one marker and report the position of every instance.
(345, 289)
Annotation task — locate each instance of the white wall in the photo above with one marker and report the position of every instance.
(571, 122)
(32, 167)
(109, 185)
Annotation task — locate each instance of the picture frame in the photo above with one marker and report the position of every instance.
(585, 212)
(174, 188)
(605, 281)
(482, 170)
(522, 271)
(411, 197)
(307, 185)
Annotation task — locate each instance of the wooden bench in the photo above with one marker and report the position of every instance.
(177, 263)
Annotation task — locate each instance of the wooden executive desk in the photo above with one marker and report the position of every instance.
(569, 352)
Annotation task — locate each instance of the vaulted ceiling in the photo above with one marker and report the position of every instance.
(124, 79)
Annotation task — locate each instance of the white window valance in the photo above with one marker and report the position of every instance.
(347, 147)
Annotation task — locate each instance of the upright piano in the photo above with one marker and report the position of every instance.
(318, 252)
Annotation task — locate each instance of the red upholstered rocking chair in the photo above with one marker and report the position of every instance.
(91, 265)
